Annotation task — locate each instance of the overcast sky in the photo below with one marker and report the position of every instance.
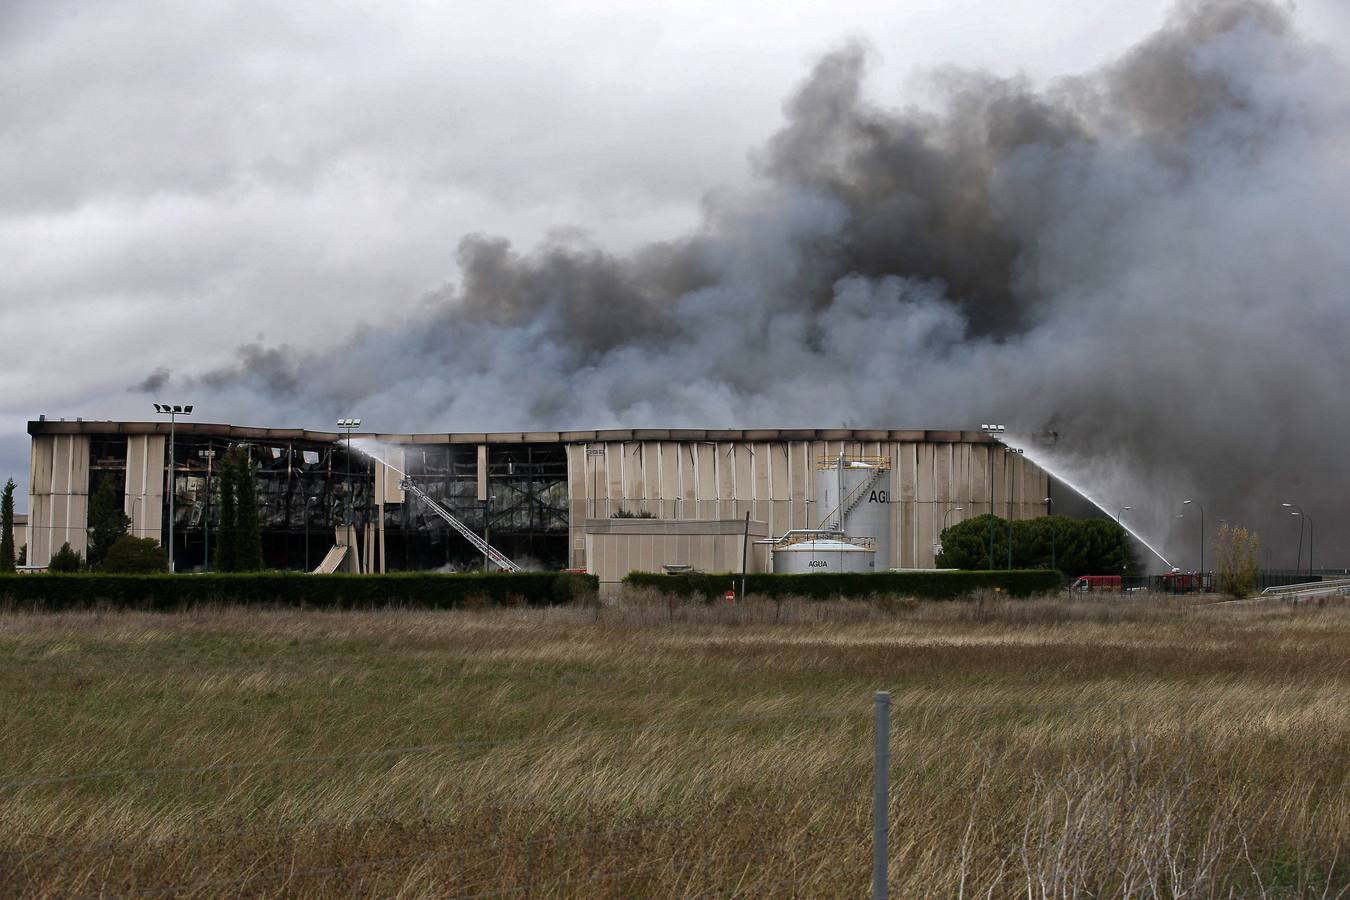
(177, 179)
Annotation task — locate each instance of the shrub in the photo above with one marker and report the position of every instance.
(65, 560)
(413, 589)
(1236, 565)
(853, 585)
(135, 556)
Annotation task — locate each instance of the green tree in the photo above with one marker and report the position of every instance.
(249, 556)
(239, 544)
(65, 560)
(135, 556)
(7, 526)
(1086, 547)
(227, 543)
(107, 521)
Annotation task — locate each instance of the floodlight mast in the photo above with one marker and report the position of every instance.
(173, 411)
(498, 558)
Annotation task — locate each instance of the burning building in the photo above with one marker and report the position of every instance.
(608, 501)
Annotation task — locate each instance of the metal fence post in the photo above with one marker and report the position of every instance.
(881, 797)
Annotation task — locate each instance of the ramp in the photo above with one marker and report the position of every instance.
(332, 560)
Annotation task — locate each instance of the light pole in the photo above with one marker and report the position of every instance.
(349, 425)
(1298, 511)
(207, 455)
(1050, 514)
(1006, 452)
(173, 411)
(1123, 557)
(1202, 532)
(947, 514)
(594, 452)
(992, 431)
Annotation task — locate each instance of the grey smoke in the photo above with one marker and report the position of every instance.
(1149, 259)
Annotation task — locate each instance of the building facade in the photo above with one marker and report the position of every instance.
(531, 492)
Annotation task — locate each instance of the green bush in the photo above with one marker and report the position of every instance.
(134, 556)
(169, 592)
(853, 585)
(65, 560)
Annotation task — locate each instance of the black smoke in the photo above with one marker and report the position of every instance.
(1148, 259)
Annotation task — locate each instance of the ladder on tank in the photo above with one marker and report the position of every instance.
(498, 558)
(834, 519)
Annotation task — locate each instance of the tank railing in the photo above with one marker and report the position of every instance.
(846, 505)
(832, 462)
(797, 535)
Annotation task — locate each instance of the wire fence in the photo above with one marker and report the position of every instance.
(472, 863)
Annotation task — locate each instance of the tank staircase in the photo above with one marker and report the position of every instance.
(834, 520)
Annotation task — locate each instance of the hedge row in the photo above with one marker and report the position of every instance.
(160, 592)
(850, 585)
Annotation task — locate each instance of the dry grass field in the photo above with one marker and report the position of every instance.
(1042, 749)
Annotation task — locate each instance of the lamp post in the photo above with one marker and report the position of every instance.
(592, 453)
(1006, 452)
(173, 411)
(1123, 558)
(1050, 514)
(207, 455)
(349, 425)
(1202, 532)
(947, 514)
(1298, 511)
(992, 431)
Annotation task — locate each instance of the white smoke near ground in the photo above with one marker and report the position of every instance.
(1149, 260)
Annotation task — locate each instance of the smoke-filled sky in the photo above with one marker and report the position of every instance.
(1127, 224)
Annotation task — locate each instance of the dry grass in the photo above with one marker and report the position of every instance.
(1140, 747)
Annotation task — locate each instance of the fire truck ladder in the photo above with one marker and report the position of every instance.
(498, 558)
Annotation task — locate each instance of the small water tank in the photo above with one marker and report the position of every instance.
(822, 555)
(864, 482)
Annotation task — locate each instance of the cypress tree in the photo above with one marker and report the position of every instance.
(247, 527)
(7, 525)
(226, 539)
(107, 521)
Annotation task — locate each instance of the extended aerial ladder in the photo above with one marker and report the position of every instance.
(498, 558)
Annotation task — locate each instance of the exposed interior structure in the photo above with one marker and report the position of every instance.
(531, 493)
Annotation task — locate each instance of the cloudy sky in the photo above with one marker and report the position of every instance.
(181, 179)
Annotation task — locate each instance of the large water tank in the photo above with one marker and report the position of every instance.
(864, 482)
(822, 555)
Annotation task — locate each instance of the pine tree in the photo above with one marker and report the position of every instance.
(226, 533)
(107, 521)
(7, 526)
(248, 531)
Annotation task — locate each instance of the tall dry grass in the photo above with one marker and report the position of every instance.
(1092, 747)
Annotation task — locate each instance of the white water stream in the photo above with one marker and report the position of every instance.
(1029, 450)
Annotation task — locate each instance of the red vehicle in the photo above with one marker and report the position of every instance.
(1186, 582)
(1096, 584)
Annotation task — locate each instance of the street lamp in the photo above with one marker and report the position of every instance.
(993, 431)
(1202, 533)
(349, 425)
(592, 453)
(1298, 511)
(1123, 557)
(173, 411)
(207, 455)
(947, 514)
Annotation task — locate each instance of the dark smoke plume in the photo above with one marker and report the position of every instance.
(1149, 259)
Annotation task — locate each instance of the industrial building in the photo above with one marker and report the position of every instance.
(605, 501)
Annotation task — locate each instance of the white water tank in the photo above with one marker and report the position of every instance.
(822, 555)
(865, 484)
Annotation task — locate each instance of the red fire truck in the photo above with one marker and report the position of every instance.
(1096, 584)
